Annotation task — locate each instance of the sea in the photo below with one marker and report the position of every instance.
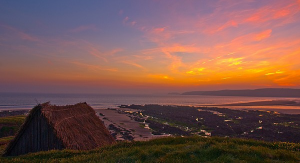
(14, 101)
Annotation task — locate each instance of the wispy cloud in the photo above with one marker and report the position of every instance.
(218, 42)
(20, 34)
(84, 28)
(273, 73)
(134, 64)
(278, 10)
(160, 76)
(93, 67)
(263, 35)
(121, 12)
(125, 20)
(95, 52)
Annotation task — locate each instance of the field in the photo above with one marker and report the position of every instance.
(168, 149)
(10, 125)
(179, 149)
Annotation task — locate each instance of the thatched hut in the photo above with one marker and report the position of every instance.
(50, 127)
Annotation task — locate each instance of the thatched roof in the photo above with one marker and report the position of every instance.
(77, 126)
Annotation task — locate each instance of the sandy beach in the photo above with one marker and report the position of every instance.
(281, 106)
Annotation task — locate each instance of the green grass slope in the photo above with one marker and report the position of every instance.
(10, 125)
(179, 149)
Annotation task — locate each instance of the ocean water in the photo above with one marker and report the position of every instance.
(102, 101)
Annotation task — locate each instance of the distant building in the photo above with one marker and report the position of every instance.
(50, 127)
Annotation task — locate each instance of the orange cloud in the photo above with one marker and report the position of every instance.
(281, 13)
(158, 30)
(175, 61)
(105, 56)
(134, 64)
(231, 61)
(160, 76)
(263, 35)
(93, 67)
(273, 73)
(235, 55)
(183, 48)
(196, 71)
(213, 30)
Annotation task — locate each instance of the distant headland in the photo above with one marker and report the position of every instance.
(264, 92)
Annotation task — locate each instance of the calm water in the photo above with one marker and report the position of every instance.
(101, 101)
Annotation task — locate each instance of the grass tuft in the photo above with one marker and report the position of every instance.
(175, 149)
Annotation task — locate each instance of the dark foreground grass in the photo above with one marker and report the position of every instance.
(188, 149)
(18, 119)
(10, 125)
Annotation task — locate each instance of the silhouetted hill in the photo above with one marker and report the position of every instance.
(265, 92)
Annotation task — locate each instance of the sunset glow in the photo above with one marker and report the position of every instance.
(100, 46)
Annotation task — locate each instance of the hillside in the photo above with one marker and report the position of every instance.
(266, 92)
(10, 125)
(169, 149)
(179, 149)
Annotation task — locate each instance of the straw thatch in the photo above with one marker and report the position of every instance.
(60, 127)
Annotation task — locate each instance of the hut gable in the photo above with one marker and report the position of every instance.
(60, 127)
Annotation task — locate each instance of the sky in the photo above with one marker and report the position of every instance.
(146, 46)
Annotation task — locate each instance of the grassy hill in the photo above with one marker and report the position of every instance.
(179, 149)
(10, 125)
(169, 149)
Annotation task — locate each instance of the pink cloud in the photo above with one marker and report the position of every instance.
(114, 51)
(22, 35)
(230, 23)
(281, 13)
(95, 52)
(218, 28)
(157, 35)
(84, 28)
(158, 30)
(28, 37)
(263, 35)
(125, 19)
(274, 12)
(128, 21)
(121, 12)
(277, 13)
(133, 23)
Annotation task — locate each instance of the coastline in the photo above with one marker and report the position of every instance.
(146, 122)
(282, 106)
